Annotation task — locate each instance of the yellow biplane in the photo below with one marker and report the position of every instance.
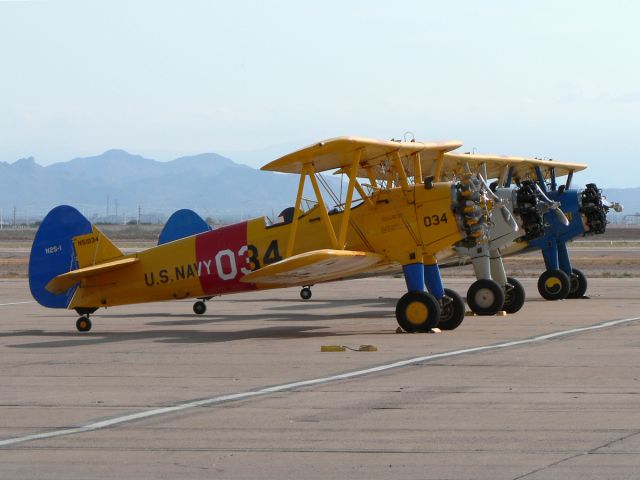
(390, 218)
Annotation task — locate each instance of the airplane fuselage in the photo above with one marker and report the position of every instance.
(402, 225)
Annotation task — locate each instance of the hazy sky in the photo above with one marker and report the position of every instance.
(254, 79)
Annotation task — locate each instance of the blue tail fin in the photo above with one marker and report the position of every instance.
(181, 224)
(52, 253)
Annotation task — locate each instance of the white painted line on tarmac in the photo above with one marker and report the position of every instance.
(16, 303)
(303, 383)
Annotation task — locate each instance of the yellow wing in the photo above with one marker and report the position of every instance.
(498, 165)
(338, 153)
(314, 267)
(455, 164)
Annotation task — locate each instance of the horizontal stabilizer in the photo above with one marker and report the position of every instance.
(314, 267)
(63, 282)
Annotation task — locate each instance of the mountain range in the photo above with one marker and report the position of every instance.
(115, 184)
(208, 183)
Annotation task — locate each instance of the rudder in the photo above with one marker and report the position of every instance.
(52, 253)
(181, 224)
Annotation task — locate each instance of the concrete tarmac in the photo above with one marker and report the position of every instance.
(551, 407)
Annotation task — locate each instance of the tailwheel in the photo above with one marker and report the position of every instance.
(418, 312)
(83, 324)
(514, 295)
(451, 310)
(485, 297)
(578, 284)
(554, 285)
(199, 307)
(305, 293)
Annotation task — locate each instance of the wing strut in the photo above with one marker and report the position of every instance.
(344, 225)
(397, 164)
(323, 209)
(438, 171)
(294, 223)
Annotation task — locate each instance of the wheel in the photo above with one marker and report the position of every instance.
(83, 324)
(451, 310)
(417, 312)
(554, 285)
(485, 297)
(578, 284)
(199, 307)
(514, 295)
(305, 293)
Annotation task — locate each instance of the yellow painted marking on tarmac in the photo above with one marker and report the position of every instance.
(342, 348)
(332, 348)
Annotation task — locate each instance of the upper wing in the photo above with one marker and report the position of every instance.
(455, 164)
(314, 267)
(338, 153)
(495, 165)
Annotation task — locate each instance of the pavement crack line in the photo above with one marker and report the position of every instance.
(156, 412)
(593, 451)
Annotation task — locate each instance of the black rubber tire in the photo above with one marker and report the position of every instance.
(554, 285)
(199, 307)
(305, 293)
(417, 312)
(514, 296)
(451, 310)
(578, 284)
(83, 324)
(485, 297)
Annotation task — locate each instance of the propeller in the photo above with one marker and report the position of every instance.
(555, 206)
(617, 207)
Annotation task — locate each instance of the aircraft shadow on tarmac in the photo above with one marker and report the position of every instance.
(73, 338)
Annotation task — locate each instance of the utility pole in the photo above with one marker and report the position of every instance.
(139, 210)
(14, 216)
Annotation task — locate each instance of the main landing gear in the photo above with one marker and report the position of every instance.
(514, 296)
(485, 297)
(578, 284)
(560, 280)
(200, 307)
(554, 284)
(451, 310)
(305, 293)
(418, 312)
